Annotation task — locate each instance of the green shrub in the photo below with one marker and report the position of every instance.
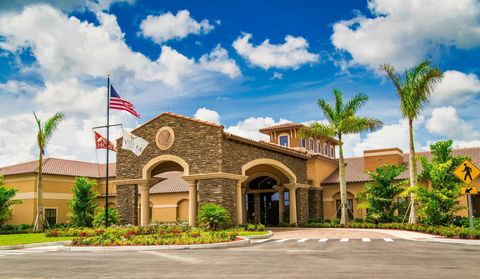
(83, 203)
(250, 227)
(6, 201)
(13, 229)
(260, 227)
(213, 216)
(99, 220)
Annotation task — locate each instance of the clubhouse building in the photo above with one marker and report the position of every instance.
(189, 162)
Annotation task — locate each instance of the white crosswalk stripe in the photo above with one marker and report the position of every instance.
(388, 239)
(302, 240)
(365, 239)
(344, 239)
(283, 240)
(323, 240)
(262, 240)
(33, 250)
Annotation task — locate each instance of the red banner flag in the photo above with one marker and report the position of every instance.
(101, 142)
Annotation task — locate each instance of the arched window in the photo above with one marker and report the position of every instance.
(325, 149)
(332, 151)
(310, 144)
(319, 147)
(284, 140)
(302, 143)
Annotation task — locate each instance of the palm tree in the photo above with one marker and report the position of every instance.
(342, 121)
(414, 89)
(45, 133)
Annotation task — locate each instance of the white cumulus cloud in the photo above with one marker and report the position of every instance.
(403, 32)
(445, 121)
(249, 127)
(169, 26)
(207, 115)
(291, 54)
(218, 60)
(456, 88)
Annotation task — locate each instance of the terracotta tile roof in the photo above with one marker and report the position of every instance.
(282, 126)
(173, 183)
(355, 169)
(61, 167)
(268, 145)
(183, 117)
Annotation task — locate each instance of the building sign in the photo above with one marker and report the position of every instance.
(165, 138)
(467, 172)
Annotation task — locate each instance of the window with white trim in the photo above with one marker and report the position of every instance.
(283, 140)
(310, 144)
(332, 151)
(319, 147)
(325, 149)
(302, 143)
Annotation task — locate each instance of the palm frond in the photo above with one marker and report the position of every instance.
(318, 129)
(394, 76)
(327, 110)
(51, 125)
(338, 101)
(355, 125)
(355, 103)
(40, 137)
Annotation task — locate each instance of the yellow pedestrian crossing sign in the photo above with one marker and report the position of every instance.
(467, 172)
(472, 190)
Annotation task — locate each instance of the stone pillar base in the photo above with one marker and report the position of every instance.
(315, 204)
(220, 191)
(302, 206)
(127, 204)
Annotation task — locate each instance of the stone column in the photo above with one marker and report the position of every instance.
(192, 202)
(127, 203)
(302, 205)
(281, 204)
(244, 206)
(238, 202)
(293, 202)
(257, 209)
(145, 204)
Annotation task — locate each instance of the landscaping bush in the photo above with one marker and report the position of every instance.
(14, 229)
(99, 220)
(83, 203)
(213, 216)
(6, 201)
(171, 234)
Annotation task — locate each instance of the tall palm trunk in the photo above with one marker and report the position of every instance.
(39, 220)
(343, 185)
(413, 174)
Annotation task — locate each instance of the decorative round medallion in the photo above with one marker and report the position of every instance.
(165, 138)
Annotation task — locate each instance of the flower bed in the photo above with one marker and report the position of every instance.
(146, 235)
(452, 231)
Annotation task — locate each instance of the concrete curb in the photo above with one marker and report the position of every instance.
(260, 236)
(239, 243)
(33, 245)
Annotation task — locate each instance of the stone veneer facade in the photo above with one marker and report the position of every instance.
(206, 149)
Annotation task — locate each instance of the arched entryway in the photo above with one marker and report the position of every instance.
(269, 192)
(151, 174)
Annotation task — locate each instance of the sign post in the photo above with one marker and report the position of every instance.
(468, 172)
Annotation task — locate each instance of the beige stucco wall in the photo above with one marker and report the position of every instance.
(169, 207)
(319, 169)
(331, 193)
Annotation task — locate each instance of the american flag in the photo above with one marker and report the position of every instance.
(116, 102)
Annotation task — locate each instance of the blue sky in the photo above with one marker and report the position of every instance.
(244, 64)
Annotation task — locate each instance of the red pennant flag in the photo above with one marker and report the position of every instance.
(101, 142)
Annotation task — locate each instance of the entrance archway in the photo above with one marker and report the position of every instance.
(266, 199)
(151, 174)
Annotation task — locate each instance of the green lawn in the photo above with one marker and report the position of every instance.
(14, 239)
(248, 233)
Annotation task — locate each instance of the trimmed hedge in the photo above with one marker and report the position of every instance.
(451, 231)
(14, 229)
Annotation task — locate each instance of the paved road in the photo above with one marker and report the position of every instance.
(276, 258)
